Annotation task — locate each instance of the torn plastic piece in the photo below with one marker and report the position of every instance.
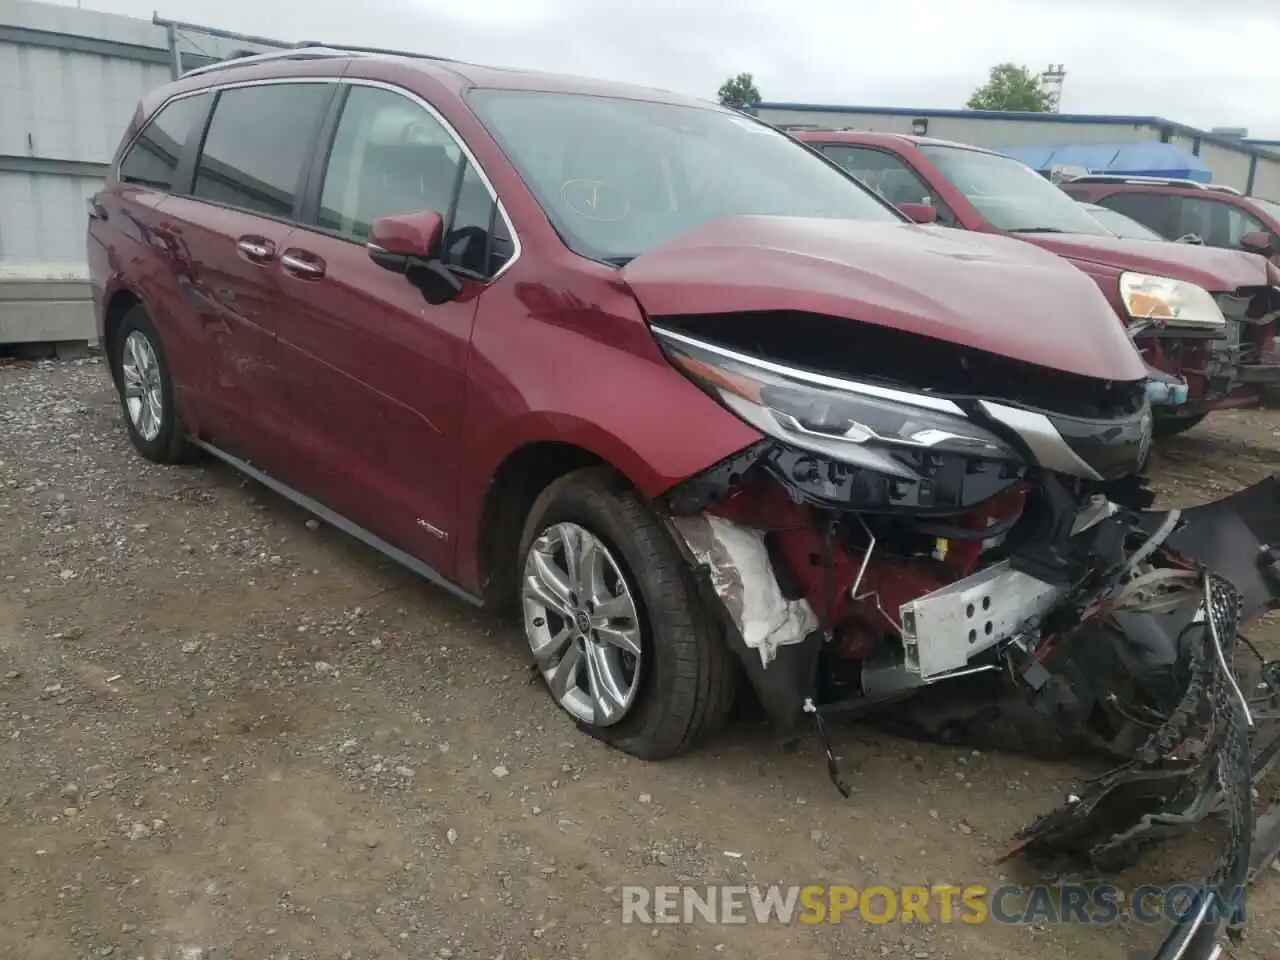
(744, 580)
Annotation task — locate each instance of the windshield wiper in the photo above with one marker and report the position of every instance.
(617, 261)
(1037, 230)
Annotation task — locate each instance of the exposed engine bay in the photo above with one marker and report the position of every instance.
(958, 545)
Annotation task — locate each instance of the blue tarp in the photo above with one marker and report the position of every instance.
(1147, 158)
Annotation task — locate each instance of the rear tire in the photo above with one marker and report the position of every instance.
(685, 676)
(145, 389)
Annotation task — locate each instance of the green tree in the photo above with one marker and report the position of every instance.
(1011, 87)
(739, 92)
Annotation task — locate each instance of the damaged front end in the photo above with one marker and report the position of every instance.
(969, 564)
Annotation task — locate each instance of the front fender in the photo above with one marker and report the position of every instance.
(589, 377)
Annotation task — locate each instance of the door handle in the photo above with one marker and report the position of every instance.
(256, 249)
(303, 265)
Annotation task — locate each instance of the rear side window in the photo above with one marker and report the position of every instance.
(153, 158)
(1216, 222)
(1162, 213)
(390, 156)
(258, 141)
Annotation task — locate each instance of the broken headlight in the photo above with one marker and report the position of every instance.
(1170, 302)
(859, 424)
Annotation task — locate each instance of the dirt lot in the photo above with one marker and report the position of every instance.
(228, 732)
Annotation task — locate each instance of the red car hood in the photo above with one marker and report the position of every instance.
(978, 290)
(1217, 270)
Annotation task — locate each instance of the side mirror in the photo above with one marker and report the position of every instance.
(1260, 241)
(394, 240)
(919, 212)
(411, 243)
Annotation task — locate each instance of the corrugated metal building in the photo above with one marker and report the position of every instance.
(69, 82)
(1251, 167)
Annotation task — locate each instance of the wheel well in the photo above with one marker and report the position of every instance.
(516, 484)
(120, 304)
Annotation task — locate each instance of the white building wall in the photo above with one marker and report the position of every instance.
(70, 80)
(1266, 182)
(1229, 166)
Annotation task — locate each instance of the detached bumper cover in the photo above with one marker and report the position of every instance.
(1223, 737)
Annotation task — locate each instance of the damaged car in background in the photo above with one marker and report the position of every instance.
(698, 405)
(1203, 319)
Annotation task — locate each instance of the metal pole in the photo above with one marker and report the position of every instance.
(175, 25)
(175, 56)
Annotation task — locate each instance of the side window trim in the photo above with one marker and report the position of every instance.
(314, 185)
(309, 214)
(304, 214)
(184, 176)
(186, 162)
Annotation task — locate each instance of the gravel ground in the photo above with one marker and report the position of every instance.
(227, 731)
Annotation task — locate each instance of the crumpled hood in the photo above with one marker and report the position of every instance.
(1215, 269)
(978, 290)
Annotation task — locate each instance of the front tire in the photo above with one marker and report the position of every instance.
(617, 630)
(146, 391)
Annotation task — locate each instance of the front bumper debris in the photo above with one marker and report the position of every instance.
(1152, 643)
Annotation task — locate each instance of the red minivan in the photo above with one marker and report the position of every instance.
(682, 395)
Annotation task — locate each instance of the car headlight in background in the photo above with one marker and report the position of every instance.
(1169, 302)
(858, 424)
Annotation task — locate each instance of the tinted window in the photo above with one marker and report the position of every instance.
(1215, 222)
(390, 156)
(1009, 194)
(619, 177)
(154, 156)
(469, 241)
(257, 142)
(1158, 211)
(1126, 228)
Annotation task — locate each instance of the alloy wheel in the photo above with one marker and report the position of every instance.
(140, 372)
(582, 624)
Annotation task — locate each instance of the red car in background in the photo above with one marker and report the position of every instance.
(1217, 216)
(1203, 315)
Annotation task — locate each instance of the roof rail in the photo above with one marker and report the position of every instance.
(1154, 181)
(343, 48)
(308, 53)
(284, 50)
(310, 50)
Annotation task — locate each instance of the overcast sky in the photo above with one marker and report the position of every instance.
(1199, 62)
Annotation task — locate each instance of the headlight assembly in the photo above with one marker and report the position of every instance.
(859, 424)
(1170, 302)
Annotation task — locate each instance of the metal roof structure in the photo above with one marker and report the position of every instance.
(1257, 147)
(1143, 159)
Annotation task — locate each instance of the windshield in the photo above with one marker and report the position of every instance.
(1010, 194)
(1124, 227)
(619, 177)
(1270, 206)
